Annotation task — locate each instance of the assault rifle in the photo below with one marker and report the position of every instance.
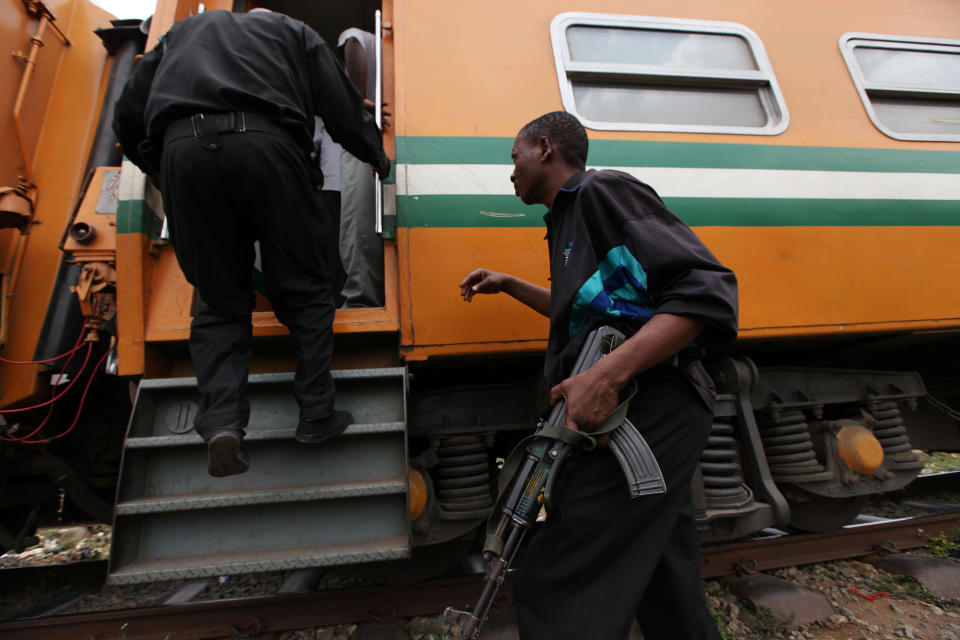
(529, 474)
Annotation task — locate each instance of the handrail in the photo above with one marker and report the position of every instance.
(47, 17)
(378, 116)
(26, 189)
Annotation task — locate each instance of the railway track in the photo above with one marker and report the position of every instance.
(267, 616)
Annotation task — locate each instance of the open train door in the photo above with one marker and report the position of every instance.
(158, 304)
(368, 212)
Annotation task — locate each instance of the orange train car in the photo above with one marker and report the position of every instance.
(814, 149)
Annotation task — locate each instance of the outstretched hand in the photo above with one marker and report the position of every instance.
(482, 281)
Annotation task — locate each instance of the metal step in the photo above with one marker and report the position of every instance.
(299, 505)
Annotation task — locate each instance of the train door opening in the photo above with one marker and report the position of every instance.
(352, 192)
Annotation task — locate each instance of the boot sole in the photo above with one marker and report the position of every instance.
(227, 457)
(314, 439)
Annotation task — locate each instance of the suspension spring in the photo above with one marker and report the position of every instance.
(463, 474)
(721, 470)
(788, 445)
(891, 432)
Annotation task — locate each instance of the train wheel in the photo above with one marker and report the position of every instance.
(814, 513)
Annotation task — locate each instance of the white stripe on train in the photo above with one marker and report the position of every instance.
(674, 182)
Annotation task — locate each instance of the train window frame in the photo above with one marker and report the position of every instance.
(850, 41)
(770, 97)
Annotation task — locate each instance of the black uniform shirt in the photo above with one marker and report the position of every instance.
(261, 62)
(617, 257)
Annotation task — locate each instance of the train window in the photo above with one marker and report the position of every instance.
(639, 73)
(909, 86)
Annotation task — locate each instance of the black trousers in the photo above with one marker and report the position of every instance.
(331, 200)
(221, 193)
(602, 559)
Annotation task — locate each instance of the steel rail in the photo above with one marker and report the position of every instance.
(252, 617)
(850, 542)
(932, 483)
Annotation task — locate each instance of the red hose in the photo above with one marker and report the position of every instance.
(83, 399)
(59, 395)
(41, 361)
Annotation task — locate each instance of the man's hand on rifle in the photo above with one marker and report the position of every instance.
(590, 397)
(593, 395)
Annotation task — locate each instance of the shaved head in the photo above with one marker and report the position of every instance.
(565, 133)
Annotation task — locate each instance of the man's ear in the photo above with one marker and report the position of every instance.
(545, 148)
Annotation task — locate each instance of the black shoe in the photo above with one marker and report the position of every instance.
(314, 431)
(227, 454)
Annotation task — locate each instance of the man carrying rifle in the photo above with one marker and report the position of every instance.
(617, 257)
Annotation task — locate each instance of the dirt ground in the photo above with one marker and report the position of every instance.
(890, 619)
(868, 604)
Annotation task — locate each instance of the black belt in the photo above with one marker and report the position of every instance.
(201, 124)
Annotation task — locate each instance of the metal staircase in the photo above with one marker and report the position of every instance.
(343, 501)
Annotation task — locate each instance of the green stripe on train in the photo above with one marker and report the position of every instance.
(632, 153)
(135, 216)
(509, 211)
